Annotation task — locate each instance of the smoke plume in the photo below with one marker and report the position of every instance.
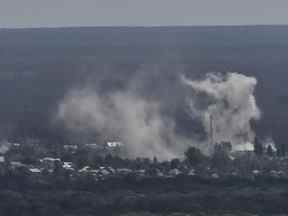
(225, 104)
(123, 116)
(144, 115)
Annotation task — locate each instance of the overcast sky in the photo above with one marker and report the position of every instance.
(42, 13)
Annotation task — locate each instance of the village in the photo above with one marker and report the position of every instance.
(101, 162)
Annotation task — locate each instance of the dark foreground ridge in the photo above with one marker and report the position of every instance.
(160, 196)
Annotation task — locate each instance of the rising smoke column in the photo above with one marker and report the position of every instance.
(137, 114)
(228, 102)
(135, 121)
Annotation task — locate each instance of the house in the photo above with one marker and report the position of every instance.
(245, 149)
(93, 146)
(49, 162)
(114, 144)
(215, 175)
(191, 172)
(2, 159)
(70, 148)
(68, 166)
(35, 170)
(17, 164)
(123, 171)
(174, 172)
(84, 169)
(4, 146)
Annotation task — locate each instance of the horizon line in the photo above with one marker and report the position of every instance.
(142, 26)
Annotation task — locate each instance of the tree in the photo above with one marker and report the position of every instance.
(220, 158)
(258, 147)
(194, 156)
(155, 160)
(175, 163)
(270, 151)
(281, 150)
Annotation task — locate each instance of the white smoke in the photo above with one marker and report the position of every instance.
(268, 141)
(228, 102)
(136, 122)
(136, 119)
(4, 146)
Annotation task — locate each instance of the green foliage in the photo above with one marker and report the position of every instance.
(194, 156)
(258, 147)
(175, 163)
(270, 151)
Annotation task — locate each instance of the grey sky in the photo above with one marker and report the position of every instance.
(39, 13)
